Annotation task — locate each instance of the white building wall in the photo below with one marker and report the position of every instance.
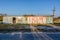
(49, 19)
(21, 20)
(7, 19)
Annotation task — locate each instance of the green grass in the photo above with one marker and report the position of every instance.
(16, 26)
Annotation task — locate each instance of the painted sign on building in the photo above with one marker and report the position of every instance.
(36, 20)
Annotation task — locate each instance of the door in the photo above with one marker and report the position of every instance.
(14, 20)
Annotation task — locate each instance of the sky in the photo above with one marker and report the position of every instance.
(24, 7)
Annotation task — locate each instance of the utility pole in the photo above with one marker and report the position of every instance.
(54, 9)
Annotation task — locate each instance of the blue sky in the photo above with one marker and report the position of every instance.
(37, 7)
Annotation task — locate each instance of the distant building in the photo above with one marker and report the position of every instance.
(1, 19)
(57, 20)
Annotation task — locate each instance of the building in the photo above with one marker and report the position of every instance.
(14, 19)
(39, 19)
(57, 20)
(28, 19)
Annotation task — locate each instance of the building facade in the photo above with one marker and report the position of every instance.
(28, 19)
(14, 19)
(39, 19)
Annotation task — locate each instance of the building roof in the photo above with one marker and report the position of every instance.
(30, 15)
